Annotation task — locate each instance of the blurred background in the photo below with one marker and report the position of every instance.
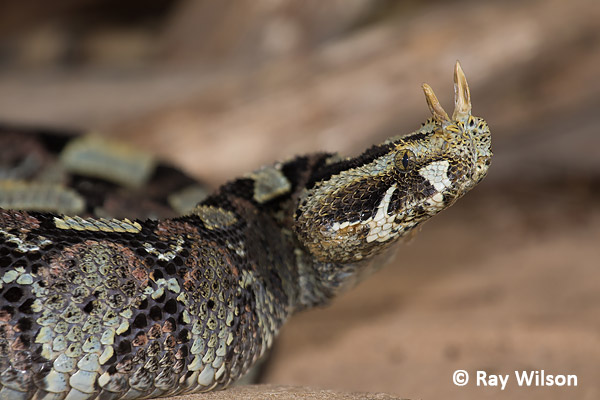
(508, 279)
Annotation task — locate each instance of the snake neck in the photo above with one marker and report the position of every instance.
(336, 218)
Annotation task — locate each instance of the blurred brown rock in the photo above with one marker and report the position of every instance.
(248, 32)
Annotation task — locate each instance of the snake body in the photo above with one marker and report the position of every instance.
(98, 307)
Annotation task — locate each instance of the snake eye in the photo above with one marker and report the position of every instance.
(404, 159)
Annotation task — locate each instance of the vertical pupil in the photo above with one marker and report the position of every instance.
(405, 160)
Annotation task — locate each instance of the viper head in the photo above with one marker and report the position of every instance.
(359, 206)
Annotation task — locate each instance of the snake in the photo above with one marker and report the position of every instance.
(120, 279)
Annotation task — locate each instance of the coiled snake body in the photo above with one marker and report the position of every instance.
(93, 307)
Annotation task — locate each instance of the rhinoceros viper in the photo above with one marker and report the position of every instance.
(98, 307)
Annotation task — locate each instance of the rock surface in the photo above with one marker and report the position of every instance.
(278, 392)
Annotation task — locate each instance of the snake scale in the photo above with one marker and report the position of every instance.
(99, 305)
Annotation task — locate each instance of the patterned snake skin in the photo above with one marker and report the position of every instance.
(95, 307)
